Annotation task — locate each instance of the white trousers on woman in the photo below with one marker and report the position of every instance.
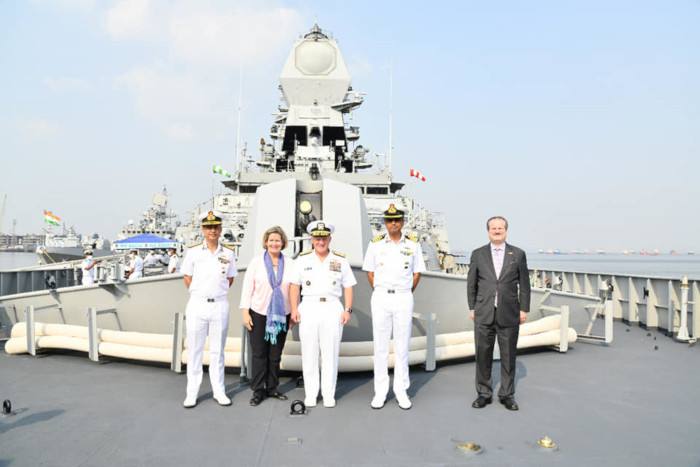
(320, 329)
(206, 318)
(391, 312)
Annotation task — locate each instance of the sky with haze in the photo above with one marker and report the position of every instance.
(579, 121)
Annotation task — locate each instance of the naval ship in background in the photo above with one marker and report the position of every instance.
(70, 246)
(310, 143)
(311, 168)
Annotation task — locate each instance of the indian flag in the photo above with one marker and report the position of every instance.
(51, 219)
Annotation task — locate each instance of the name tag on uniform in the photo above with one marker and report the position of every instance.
(308, 269)
(335, 266)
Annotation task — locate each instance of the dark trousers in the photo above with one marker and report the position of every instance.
(485, 336)
(266, 357)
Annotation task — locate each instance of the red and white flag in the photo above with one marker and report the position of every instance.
(415, 173)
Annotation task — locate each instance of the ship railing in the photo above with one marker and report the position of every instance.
(654, 303)
(430, 344)
(93, 336)
(30, 313)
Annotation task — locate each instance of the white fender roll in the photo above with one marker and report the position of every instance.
(545, 339)
(452, 352)
(454, 338)
(149, 354)
(48, 329)
(541, 325)
(139, 339)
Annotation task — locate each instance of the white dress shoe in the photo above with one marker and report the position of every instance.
(330, 403)
(378, 402)
(190, 401)
(404, 401)
(310, 402)
(222, 399)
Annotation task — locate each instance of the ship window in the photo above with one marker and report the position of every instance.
(333, 133)
(377, 190)
(247, 188)
(291, 134)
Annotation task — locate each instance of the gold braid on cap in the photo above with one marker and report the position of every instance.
(393, 213)
(211, 219)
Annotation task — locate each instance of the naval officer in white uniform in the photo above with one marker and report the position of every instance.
(87, 266)
(322, 275)
(209, 269)
(173, 262)
(393, 263)
(135, 270)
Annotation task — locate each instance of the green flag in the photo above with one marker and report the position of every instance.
(220, 170)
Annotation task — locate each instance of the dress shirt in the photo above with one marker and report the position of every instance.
(256, 291)
(209, 271)
(497, 254)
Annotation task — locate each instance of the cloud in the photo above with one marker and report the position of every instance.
(36, 129)
(138, 19)
(182, 105)
(206, 39)
(232, 35)
(208, 33)
(82, 5)
(64, 84)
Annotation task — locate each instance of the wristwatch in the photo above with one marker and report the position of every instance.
(349, 310)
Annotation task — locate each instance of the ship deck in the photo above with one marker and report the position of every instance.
(623, 404)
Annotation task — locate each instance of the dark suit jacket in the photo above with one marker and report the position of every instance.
(513, 286)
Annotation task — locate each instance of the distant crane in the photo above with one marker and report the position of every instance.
(2, 213)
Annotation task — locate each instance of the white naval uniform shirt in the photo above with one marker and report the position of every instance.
(210, 271)
(174, 265)
(88, 274)
(325, 279)
(394, 264)
(136, 264)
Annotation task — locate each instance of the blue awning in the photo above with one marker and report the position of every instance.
(144, 241)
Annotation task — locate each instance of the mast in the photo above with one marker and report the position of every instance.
(391, 111)
(240, 111)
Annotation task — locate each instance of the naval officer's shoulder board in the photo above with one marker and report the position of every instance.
(228, 247)
(379, 237)
(305, 252)
(194, 245)
(411, 238)
(339, 254)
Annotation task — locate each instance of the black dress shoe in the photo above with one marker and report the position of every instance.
(509, 402)
(256, 400)
(481, 402)
(277, 395)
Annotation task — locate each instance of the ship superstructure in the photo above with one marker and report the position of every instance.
(311, 140)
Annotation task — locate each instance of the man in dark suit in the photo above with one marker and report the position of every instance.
(498, 291)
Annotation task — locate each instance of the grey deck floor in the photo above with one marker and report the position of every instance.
(626, 404)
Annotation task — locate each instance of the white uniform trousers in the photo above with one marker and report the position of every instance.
(391, 311)
(206, 318)
(320, 329)
(87, 280)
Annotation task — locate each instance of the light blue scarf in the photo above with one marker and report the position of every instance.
(276, 316)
